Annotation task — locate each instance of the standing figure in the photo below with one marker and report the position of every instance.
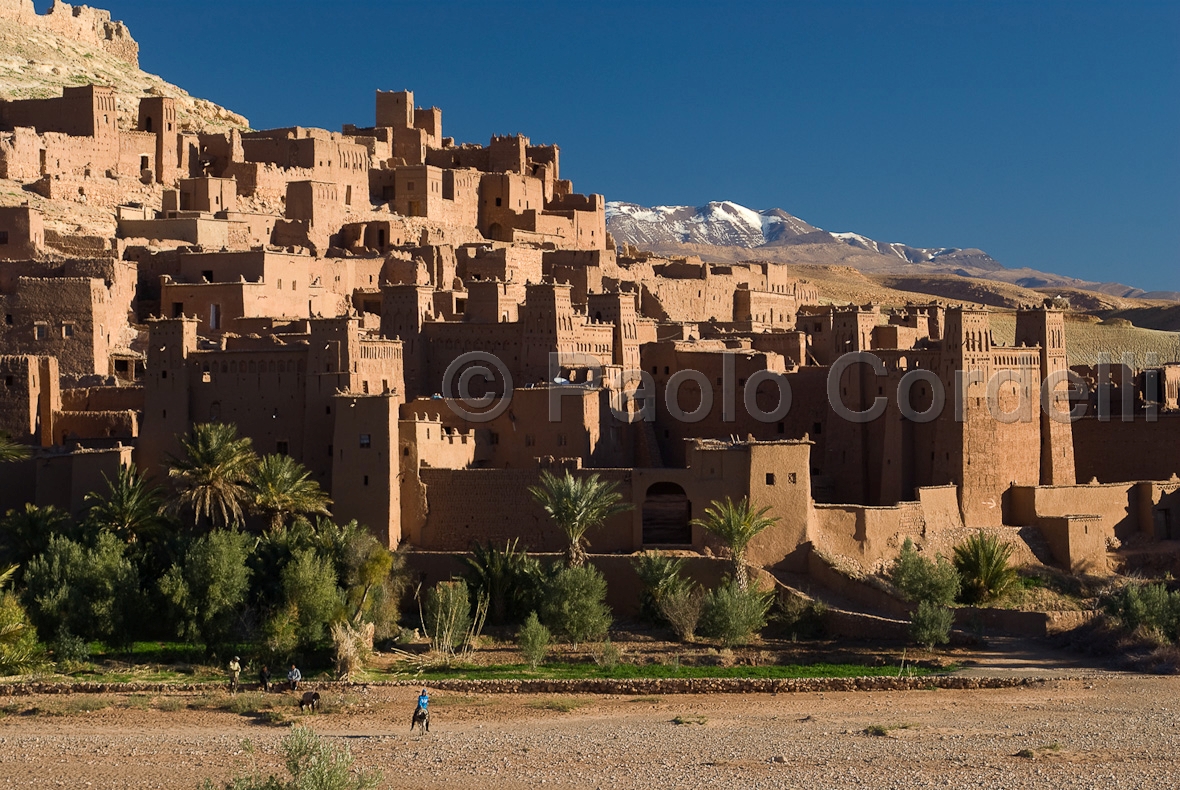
(264, 678)
(235, 672)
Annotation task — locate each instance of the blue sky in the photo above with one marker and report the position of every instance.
(1047, 133)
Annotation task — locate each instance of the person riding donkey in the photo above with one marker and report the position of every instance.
(421, 717)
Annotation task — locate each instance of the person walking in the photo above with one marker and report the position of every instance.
(264, 678)
(235, 672)
(293, 677)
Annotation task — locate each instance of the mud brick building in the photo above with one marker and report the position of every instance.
(324, 290)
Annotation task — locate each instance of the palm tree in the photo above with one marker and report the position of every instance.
(131, 507)
(213, 478)
(736, 524)
(283, 487)
(25, 532)
(576, 504)
(10, 450)
(983, 563)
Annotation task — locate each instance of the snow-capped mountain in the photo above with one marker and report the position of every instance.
(727, 224)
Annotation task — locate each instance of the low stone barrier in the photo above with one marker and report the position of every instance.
(587, 686)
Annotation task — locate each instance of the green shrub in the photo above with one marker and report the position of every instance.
(983, 563)
(920, 579)
(309, 586)
(1147, 606)
(575, 604)
(930, 624)
(312, 764)
(533, 640)
(209, 588)
(682, 608)
(660, 575)
(798, 616)
(607, 655)
(733, 615)
(280, 635)
(92, 591)
(447, 616)
(69, 649)
(19, 650)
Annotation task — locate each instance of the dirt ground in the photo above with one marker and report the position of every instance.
(1107, 730)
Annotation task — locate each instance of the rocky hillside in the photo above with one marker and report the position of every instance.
(37, 60)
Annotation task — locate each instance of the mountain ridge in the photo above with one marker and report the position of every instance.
(727, 231)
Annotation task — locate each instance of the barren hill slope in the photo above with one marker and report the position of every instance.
(37, 61)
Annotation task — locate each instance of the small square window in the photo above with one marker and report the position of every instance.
(366, 441)
(8, 319)
(770, 478)
(41, 331)
(67, 330)
(499, 201)
(366, 479)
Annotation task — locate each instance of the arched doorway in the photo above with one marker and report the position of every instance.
(666, 515)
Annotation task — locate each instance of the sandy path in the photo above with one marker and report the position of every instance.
(1110, 732)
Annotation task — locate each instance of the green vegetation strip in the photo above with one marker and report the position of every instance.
(660, 672)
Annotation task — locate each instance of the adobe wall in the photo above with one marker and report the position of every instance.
(206, 232)
(102, 399)
(74, 319)
(106, 426)
(365, 466)
(478, 505)
(1078, 542)
(1115, 505)
(870, 535)
(27, 399)
(64, 479)
(1119, 451)
(22, 233)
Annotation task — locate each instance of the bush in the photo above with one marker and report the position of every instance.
(19, 650)
(447, 618)
(374, 579)
(210, 587)
(69, 649)
(798, 616)
(733, 615)
(920, 579)
(533, 640)
(682, 609)
(280, 635)
(310, 763)
(930, 624)
(92, 592)
(309, 587)
(607, 655)
(353, 645)
(1149, 606)
(575, 604)
(660, 575)
(982, 561)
